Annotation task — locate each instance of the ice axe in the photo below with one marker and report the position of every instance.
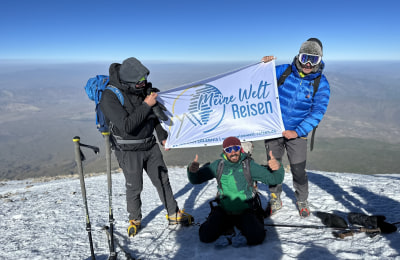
(333, 222)
(79, 157)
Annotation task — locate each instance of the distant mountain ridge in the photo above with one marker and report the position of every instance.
(42, 106)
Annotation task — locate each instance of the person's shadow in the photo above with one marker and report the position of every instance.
(379, 205)
(374, 204)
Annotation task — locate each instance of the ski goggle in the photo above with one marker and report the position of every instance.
(142, 80)
(234, 148)
(312, 59)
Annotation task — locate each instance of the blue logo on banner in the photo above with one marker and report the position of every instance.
(201, 106)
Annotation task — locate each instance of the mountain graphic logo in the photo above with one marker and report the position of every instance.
(201, 107)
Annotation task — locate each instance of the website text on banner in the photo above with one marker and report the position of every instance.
(242, 103)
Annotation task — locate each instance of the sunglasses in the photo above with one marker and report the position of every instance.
(234, 148)
(312, 59)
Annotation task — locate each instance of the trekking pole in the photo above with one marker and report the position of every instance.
(301, 226)
(113, 254)
(79, 157)
(127, 254)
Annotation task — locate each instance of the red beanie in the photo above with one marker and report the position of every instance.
(231, 141)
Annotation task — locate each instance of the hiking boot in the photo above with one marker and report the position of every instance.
(303, 208)
(180, 217)
(274, 204)
(133, 228)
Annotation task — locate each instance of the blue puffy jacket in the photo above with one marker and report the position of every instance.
(300, 111)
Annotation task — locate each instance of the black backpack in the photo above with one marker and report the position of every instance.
(282, 79)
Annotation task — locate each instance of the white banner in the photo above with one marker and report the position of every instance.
(243, 103)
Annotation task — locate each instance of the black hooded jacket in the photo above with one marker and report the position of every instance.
(134, 120)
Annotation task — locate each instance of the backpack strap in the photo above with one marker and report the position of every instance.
(220, 169)
(246, 172)
(315, 85)
(117, 92)
(285, 74)
(312, 138)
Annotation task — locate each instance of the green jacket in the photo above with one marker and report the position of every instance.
(236, 192)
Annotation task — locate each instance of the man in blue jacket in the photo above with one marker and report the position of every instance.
(302, 110)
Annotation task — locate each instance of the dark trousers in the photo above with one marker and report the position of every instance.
(251, 227)
(297, 154)
(133, 163)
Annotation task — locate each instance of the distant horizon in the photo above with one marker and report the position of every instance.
(58, 61)
(362, 115)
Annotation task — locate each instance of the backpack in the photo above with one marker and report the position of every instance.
(256, 201)
(282, 79)
(94, 89)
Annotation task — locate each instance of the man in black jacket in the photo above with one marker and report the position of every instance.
(132, 125)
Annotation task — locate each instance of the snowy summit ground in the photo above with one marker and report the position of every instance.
(46, 220)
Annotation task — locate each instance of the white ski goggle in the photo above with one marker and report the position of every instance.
(312, 59)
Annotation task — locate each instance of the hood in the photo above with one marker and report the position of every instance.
(115, 80)
(114, 75)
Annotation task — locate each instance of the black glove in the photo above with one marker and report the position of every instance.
(158, 108)
(371, 222)
(331, 220)
(194, 167)
(149, 88)
(158, 111)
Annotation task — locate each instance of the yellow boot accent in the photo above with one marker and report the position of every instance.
(274, 204)
(133, 227)
(180, 217)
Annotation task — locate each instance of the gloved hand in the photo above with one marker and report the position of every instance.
(194, 166)
(158, 108)
(158, 111)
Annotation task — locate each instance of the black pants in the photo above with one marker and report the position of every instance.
(251, 227)
(133, 163)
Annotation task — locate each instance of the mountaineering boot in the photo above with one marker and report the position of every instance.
(304, 209)
(133, 228)
(274, 204)
(180, 217)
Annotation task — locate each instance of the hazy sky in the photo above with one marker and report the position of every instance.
(206, 30)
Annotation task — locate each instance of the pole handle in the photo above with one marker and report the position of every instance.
(346, 234)
(370, 230)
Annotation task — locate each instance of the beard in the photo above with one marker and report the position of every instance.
(234, 157)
